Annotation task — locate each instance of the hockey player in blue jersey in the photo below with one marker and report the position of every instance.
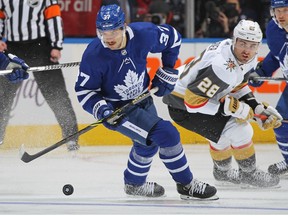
(276, 33)
(18, 65)
(112, 73)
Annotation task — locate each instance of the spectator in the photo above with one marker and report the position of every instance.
(221, 18)
(177, 16)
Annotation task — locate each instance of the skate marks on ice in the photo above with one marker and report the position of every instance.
(96, 174)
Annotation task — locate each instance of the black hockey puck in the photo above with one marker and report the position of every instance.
(68, 189)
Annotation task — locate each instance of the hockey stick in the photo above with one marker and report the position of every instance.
(116, 115)
(269, 79)
(45, 68)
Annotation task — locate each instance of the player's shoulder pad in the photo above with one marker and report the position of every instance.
(142, 29)
(94, 46)
(95, 52)
(142, 34)
(223, 61)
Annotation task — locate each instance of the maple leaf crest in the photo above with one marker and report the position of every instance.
(133, 85)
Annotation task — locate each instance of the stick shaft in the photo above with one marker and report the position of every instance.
(269, 79)
(25, 157)
(45, 68)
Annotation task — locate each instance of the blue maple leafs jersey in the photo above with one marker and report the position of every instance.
(278, 44)
(119, 76)
(3, 61)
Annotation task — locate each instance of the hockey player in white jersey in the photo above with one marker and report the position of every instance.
(212, 98)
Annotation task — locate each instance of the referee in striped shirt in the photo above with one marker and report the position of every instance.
(33, 30)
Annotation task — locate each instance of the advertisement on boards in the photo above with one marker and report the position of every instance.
(79, 17)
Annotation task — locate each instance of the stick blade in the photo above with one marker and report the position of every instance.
(24, 156)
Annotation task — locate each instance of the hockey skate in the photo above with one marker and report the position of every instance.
(259, 178)
(231, 175)
(148, 189)
(72, 146)
(197, 190)
(279, 168)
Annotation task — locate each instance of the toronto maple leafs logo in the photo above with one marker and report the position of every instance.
(230, 64)
(133, 85)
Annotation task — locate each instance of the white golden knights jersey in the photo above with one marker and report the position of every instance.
(210, 77)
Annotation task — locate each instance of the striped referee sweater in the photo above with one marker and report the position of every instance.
(26, 20)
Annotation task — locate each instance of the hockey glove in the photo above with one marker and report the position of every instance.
(102, 110)
(256, 73)
(19, 67)
(165, 79)
(238, 109)
(268, 116)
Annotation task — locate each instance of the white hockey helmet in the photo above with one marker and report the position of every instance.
(248, 30)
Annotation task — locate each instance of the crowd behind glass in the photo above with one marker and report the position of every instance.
(223, 15)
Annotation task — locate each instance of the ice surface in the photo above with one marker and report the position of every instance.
(96, 174)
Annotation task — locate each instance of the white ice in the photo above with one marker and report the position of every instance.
(97, 176)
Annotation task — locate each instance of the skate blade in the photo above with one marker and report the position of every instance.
(229, 185)
(248, 187)
(185, 197)
(145, 197)
(225, 185)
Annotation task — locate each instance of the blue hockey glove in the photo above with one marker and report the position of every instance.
(103, 110)
(17, 75)
(19, 67)
(258, 72)
(165, 79)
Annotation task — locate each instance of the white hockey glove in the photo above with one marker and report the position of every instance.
(238, 109)
(267, 116)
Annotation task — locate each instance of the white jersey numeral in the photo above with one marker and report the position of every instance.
(164, 38)
(85, 80)
(207, 87)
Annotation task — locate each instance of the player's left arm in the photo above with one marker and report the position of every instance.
(167, 41)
